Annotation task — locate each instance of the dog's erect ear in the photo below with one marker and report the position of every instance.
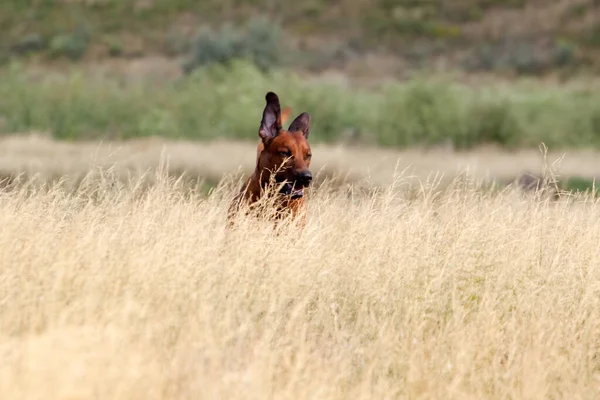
(271, 119)
(302, 124)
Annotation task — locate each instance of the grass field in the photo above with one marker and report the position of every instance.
(46, 160)
(119, 292)
(424, 272)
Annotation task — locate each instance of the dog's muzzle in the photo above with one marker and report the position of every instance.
(294, 193)
(295, 189)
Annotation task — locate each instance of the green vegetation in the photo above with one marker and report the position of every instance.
(226, 102)
(258, 43)
(464, 32)
(579, 184)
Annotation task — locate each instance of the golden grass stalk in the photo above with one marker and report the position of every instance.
(123, 292)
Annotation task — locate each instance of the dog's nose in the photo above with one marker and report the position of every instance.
(304, 177)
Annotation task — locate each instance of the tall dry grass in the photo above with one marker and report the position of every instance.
(34, 154)
(122, 293)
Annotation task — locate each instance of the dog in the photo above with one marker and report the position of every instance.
(283, 157)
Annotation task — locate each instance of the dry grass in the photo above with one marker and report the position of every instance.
(38, 155)
(122, 293)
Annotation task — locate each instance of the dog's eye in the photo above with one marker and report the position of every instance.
(308, 156)
(285, 153)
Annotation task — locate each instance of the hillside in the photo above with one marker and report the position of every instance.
(501, 36)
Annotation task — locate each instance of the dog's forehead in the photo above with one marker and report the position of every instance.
(292, 139)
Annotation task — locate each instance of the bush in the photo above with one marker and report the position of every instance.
(29, 43)
(580, 184)
(226, 102)
(114, 45)
(72, 45)
(258, 43)
(522, 56)
(492, 121)
(262, 43)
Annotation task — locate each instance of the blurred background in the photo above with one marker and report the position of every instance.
(430, 85)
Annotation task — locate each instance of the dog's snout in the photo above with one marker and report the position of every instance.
(304, 177)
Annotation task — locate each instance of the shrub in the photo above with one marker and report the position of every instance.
(258, 43)
(114, 45)
(29, 43)
(522, 56)
(72, 45)
(262, 43)
(492, 121)
(581, 184)
(226, 102)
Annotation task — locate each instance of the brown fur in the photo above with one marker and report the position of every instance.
(282, 154)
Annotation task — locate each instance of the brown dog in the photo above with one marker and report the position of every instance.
(283, 156)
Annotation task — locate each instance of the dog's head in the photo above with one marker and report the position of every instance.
(286, 153)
